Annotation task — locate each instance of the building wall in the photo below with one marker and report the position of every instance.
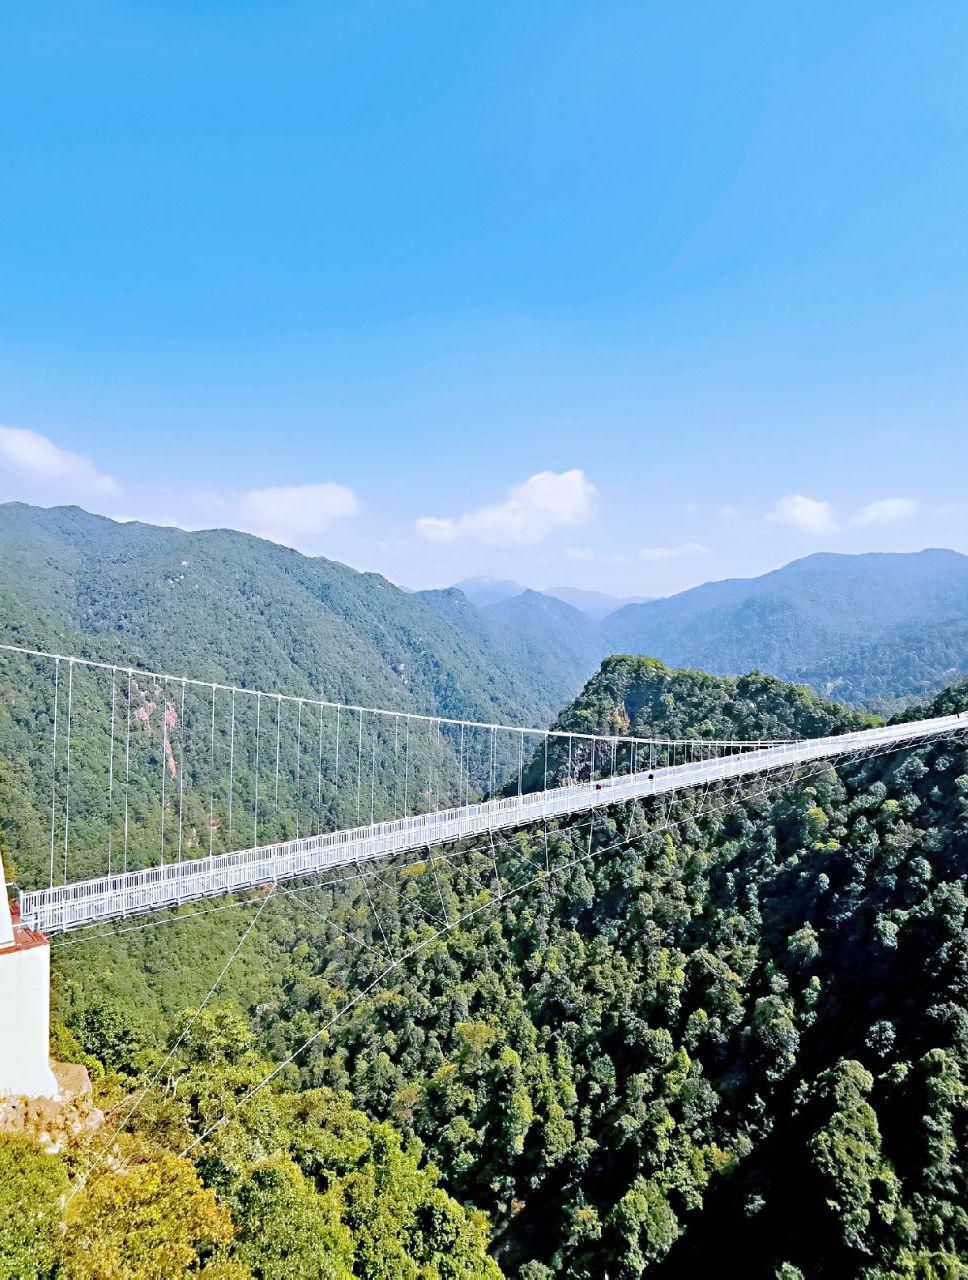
(25, 1017)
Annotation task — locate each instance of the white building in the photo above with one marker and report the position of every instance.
(24, 1009)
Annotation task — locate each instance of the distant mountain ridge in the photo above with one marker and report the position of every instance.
(877, 628)
(569, 642)
(484, 591)
(595, 603)
(534, 632)
(808, 616)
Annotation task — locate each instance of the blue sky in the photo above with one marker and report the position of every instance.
(622, 295)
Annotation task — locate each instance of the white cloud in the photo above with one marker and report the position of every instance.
(672, 553)
(437, 529)
(588, 555)
(886, 511)
(297, 514)
(804, 513)
(36, 459)
(395, 546)
(531, 511)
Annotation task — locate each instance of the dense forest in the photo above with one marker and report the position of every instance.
(895, 672)
(719, 1037)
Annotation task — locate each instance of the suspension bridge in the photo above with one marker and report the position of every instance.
(141, 768)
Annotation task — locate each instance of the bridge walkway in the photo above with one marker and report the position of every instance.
(71, 906)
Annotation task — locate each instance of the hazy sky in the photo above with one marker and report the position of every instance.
(616, 295)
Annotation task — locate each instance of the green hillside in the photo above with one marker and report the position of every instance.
(540, 639)
(533, 632)
(560, 638)
(645, 698)
(911, 664)
(225, 605)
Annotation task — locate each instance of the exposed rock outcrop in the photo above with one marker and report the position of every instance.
(52, 1121)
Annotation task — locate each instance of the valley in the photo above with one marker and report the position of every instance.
(601, 1069)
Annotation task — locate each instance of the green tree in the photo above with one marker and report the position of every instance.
(153, 1221)
(287, 1230)
(858, 1184)
(31, 1186)
(643, 1227)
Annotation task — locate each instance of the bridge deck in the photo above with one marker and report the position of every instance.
(74, 905)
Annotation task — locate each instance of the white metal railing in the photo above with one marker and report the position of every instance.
(72, 906)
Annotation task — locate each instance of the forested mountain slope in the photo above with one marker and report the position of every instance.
(564, 640)
(718, 1041)
(226, 605)
(484, 591)
(557, 645)
(882, 673)
(547, 641)
(794, 619)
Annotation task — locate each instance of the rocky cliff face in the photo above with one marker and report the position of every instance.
(52, 1121)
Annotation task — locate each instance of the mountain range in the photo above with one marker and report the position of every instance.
(849, 624)
(875, 629)
(484, 591)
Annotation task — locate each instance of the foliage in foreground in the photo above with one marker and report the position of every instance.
(300, 1186)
